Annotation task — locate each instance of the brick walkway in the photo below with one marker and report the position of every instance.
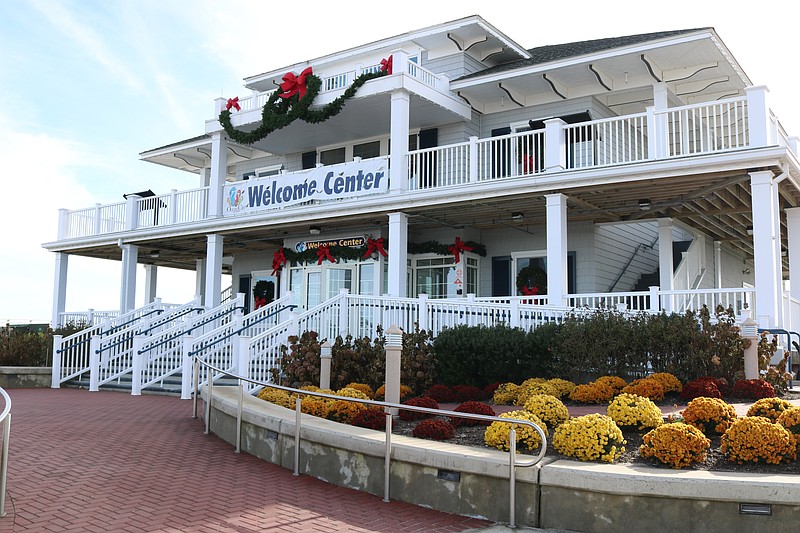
(106, 461)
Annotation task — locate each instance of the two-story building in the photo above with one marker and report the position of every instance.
(451, 161)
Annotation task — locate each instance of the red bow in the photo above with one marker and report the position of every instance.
(278, 260)
(375, 245)
(530, 291)
(233, 103)
(260, 302)
(458, 248)
(324, 252)
(293, 85)
(386, 65)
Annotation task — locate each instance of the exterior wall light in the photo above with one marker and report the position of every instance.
(315, 230)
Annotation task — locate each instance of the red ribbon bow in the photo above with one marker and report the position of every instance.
(386, 65)
(458, 248)
(278, 260)
(233, 103)
(324, 252)
(260, 302)
(375, 245)
(293, 85)
(530, 291)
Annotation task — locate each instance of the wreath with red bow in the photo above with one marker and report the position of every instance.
(532, 281)
(292, 100)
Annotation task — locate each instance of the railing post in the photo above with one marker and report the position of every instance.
(242, 347)
(173, 206)
(344, 312)
(132, 211)
(325, 365)
(63, 224)
(138, 363)
(654, 134)
(424, 313)
(758, 116)
(97, 220)
(187, 372)
(55, 380)
(94, 364)
(473, 159)
(514, 318)
(655, 299)
(555, 145)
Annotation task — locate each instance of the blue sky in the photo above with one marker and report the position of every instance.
(88, 85)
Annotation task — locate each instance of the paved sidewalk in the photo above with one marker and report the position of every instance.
(110, 462)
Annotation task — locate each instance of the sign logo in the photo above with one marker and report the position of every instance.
(355, 242)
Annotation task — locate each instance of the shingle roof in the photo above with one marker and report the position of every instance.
(546, 54)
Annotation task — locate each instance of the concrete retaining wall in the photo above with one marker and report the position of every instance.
(25, 377)
(570, 495)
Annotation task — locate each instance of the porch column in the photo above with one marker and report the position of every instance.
(556, 248)
(150, 283)
(60, 289)
(213, 271)
(398, 254)
(767, 264)
(127, 297)
(718, 264)
(793, 234)
(398, 158)
(200, 280)
(661, 136)
(219, 171)
(666, 275)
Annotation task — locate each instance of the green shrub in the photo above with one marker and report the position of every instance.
(479, 355)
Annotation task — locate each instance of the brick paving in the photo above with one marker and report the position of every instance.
(108, 461)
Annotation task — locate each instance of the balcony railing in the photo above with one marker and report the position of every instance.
(655, 135)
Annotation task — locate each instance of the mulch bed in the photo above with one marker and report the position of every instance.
(715, 459)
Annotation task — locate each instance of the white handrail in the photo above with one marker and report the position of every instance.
(5, 419)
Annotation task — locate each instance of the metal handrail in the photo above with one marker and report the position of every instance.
(5, 419)
(171, 317)
(131, 321)
(238, 331)
(388, 406)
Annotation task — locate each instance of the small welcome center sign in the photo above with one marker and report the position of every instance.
(345, 180)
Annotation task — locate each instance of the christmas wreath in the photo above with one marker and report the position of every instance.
(263, 293)
(532, 280)
(292, 100)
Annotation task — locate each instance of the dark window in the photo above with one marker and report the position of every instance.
(367, 150)
(332, 157)
(309, 160)
(501, 276)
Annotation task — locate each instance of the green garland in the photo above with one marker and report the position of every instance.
(355, 253)
(279, 112)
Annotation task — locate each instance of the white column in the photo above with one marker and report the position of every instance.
(213, 271)
(398, 254)
(398, 158)
(556, 248)
(660, 103)
(666, 279)
(130, 258)
(200, 280)
(219, 171)
(793, 236)
(758, 121)
(377, 275)
(59, 289)
(718, 264)
(767, 263)
(150, 283)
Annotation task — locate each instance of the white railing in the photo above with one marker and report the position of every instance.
(87, 318)
(337, 81)
(704, 128)
(791, 312)
(680, 301)
(675, 132)
(438, 167)
(626, 301)
(609, 141)
(423, 75)
(71, 354)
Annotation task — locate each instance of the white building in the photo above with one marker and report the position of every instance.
(646, 169)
